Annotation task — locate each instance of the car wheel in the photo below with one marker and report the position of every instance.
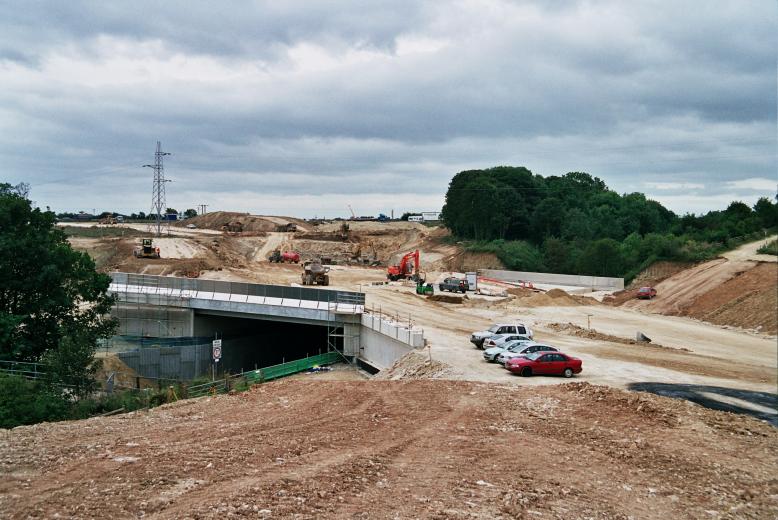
(526, 372)
(568, 372)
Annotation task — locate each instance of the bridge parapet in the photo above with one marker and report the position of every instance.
(186, 292)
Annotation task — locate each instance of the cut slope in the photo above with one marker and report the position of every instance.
(735, 290)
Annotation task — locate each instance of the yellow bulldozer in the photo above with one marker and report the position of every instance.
(146, 250)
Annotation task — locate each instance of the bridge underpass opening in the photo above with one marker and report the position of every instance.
(250, 343)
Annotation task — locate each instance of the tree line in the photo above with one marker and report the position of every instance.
(189, 213)
(575, 224)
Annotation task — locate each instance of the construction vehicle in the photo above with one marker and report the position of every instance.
(286, 228)
(424, 289)
(357, 256)
(344, 231)
(405, 269)
(109, 221)
(314, 273)
(233, 227)
(146, 250)
(286, 257)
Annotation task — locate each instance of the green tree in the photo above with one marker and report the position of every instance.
(73, 364)
(48, 291)
(601, 258)
(190, 213)
(558, 255)
(766, 212)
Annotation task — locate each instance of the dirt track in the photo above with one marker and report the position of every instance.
(386, 449)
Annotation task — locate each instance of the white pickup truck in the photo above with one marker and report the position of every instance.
(477, 338)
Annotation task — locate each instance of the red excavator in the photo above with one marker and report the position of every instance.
(405, 269)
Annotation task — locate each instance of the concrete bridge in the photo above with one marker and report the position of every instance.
(263, 319)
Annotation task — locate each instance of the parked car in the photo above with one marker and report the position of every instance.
(545, 363)
(490, 354)
(499, 340)
(646, 293)
(454, 284)
(191, 226)
(533, 347)
(478, 338)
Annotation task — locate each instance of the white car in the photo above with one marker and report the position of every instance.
(491, 354)
(525, 348)
(191, 226)
(499, 340)
(478, 338)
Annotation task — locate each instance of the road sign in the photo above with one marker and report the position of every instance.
(217, 350)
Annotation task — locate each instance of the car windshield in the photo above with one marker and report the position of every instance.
(515, 346)
(494, 328)
(533, 355)
(645, 289)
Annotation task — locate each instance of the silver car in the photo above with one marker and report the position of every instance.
(491, 354)
(499, 340)
(525, 348)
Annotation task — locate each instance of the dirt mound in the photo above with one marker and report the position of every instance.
(521, 292)
(397, 449)
(574, 330)
(552, 298)
(446, 298)
(217, 219)
(415, 365)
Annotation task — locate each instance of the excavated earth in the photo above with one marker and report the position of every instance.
(398, 449)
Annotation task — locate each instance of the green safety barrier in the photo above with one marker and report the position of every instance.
(261, 375)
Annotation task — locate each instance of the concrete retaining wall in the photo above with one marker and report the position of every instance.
(383, 341)
(396, 331)
(596, 283)
(379, 350)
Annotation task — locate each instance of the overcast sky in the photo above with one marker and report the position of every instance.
(302, 108)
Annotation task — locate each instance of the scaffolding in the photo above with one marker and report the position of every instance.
(340, 337)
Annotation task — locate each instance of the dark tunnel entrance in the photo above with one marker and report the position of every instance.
(252, 343)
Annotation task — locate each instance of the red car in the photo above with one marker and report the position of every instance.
(290, 256)
(646, 293)
(544, 363)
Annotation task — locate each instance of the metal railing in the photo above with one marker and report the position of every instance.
(25, 369)
(195, 288)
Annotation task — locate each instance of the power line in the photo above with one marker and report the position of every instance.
(158, 202)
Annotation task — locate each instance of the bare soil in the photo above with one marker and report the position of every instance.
(739, 289)
(397, 449)
(748, 300)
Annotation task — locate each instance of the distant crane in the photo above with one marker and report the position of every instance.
(353, 215)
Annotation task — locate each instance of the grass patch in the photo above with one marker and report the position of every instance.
(770, 248)
(103, 232)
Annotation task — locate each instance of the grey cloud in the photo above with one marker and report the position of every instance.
(665, 92)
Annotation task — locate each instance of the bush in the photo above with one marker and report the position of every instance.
(770, 248)
(515, 254)
(29, 402)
